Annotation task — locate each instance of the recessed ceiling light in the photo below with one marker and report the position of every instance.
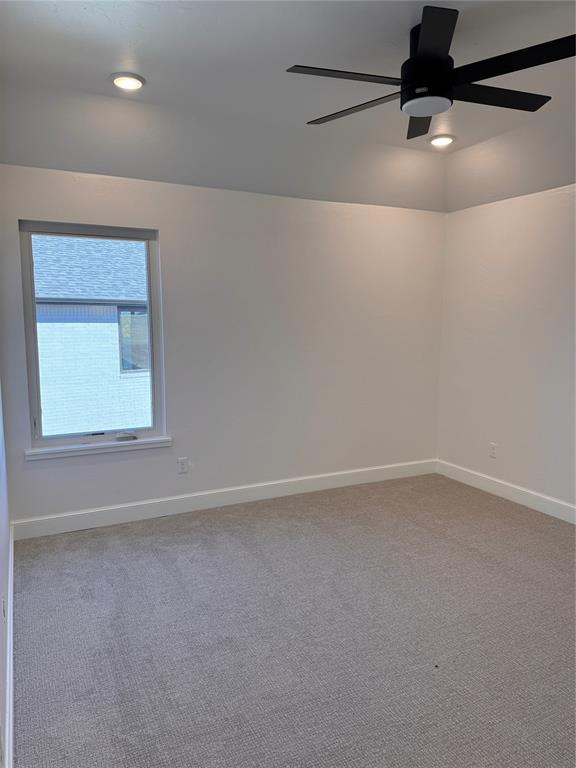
(127, 81)
(441, 141)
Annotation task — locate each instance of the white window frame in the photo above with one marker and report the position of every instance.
(110, 440)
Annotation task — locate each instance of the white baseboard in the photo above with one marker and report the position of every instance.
(8, 729)
(547, 504)
(173, 505)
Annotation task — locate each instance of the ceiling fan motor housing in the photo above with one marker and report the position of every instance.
(426, 88)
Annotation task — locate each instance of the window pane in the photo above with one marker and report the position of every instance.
(134, 351)
(82, 286)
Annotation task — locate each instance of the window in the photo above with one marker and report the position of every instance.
(93, 333)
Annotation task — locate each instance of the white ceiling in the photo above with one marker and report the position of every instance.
(216, 74)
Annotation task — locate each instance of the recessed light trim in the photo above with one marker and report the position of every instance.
(127, 81)
(441, 141)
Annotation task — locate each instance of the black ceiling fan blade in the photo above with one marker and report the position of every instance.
(499, 97)
(436, 31)
(418, 126)
(534, 56)
(341, 74)
(357, 108)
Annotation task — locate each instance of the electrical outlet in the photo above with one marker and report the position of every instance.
(183, 465)
(492, 447)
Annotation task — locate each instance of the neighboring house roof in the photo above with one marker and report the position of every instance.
(85, 268)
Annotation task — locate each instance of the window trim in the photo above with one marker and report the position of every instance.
(41, 447)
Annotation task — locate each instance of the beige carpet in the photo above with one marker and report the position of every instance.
(416, 623)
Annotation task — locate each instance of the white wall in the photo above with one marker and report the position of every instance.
(301, 337)
(507, 360)
(4, 577)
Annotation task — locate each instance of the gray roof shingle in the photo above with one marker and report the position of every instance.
(84, 268)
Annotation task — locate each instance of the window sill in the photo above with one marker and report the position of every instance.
(80, 449)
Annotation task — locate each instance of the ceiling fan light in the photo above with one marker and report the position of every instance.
(426, 106)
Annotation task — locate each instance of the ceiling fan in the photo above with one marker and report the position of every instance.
(429, 83)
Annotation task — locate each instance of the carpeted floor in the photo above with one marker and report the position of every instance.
(416, 623)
